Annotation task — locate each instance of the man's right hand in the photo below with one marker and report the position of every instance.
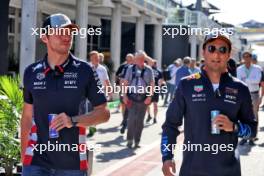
(168, 168)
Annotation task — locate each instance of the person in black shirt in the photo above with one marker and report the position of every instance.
(58, 84)
(158, 78)
(120, 75)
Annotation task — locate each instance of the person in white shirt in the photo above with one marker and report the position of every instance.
(104, 79)
(101, 61)
(101, 72)
(251, 74)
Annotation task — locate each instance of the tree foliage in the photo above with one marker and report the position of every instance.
(11, 101)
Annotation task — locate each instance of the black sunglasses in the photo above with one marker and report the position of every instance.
(222, 49)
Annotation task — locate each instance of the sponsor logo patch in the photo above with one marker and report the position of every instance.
(40, 76)
(198, 88)
(229, 90)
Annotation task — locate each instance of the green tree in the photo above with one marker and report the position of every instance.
(11, 100)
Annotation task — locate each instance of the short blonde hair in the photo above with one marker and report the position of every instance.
(101, 56)
(93, 52)
(129, 55)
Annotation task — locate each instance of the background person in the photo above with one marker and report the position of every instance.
(138, 76)
(193, 68)
(183, 71)
(120, 76)
(171, 83)
(251, 74)
(101, 71)
(158, 78)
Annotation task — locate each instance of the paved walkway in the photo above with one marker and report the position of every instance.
(115, 159)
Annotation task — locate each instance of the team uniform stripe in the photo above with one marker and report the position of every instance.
(82, 149)
(31, 142)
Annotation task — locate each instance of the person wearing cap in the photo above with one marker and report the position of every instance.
(58, 84)
(197, 96)
(251, 74)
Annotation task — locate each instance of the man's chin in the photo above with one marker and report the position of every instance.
(64, 50)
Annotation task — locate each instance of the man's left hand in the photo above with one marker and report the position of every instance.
(223, 123)
(61, 121)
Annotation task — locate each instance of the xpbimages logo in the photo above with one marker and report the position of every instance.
(212, 148)
(82, 32)
(132, 89)
(183, 30)
(58, 147)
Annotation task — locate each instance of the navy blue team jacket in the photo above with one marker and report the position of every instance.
(194, 99)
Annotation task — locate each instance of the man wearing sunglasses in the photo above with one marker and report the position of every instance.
(197, 98)
(251, 74)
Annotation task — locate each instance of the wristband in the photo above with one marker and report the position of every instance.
(235, 128)
(74, 121)
(74, 118)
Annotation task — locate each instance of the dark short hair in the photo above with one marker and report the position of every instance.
(247, 52)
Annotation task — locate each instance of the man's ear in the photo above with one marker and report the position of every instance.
(44, 39)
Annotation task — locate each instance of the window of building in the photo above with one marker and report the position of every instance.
(11, 25)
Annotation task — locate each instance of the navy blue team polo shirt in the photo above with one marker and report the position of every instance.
(56, 91)
(194, 100)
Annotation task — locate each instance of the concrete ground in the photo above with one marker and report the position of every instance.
(115, 159)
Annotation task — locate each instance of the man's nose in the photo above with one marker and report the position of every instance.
(217, 54)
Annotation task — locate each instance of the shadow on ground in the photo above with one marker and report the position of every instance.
(115, 142)
(108, 130)
(115, 155)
